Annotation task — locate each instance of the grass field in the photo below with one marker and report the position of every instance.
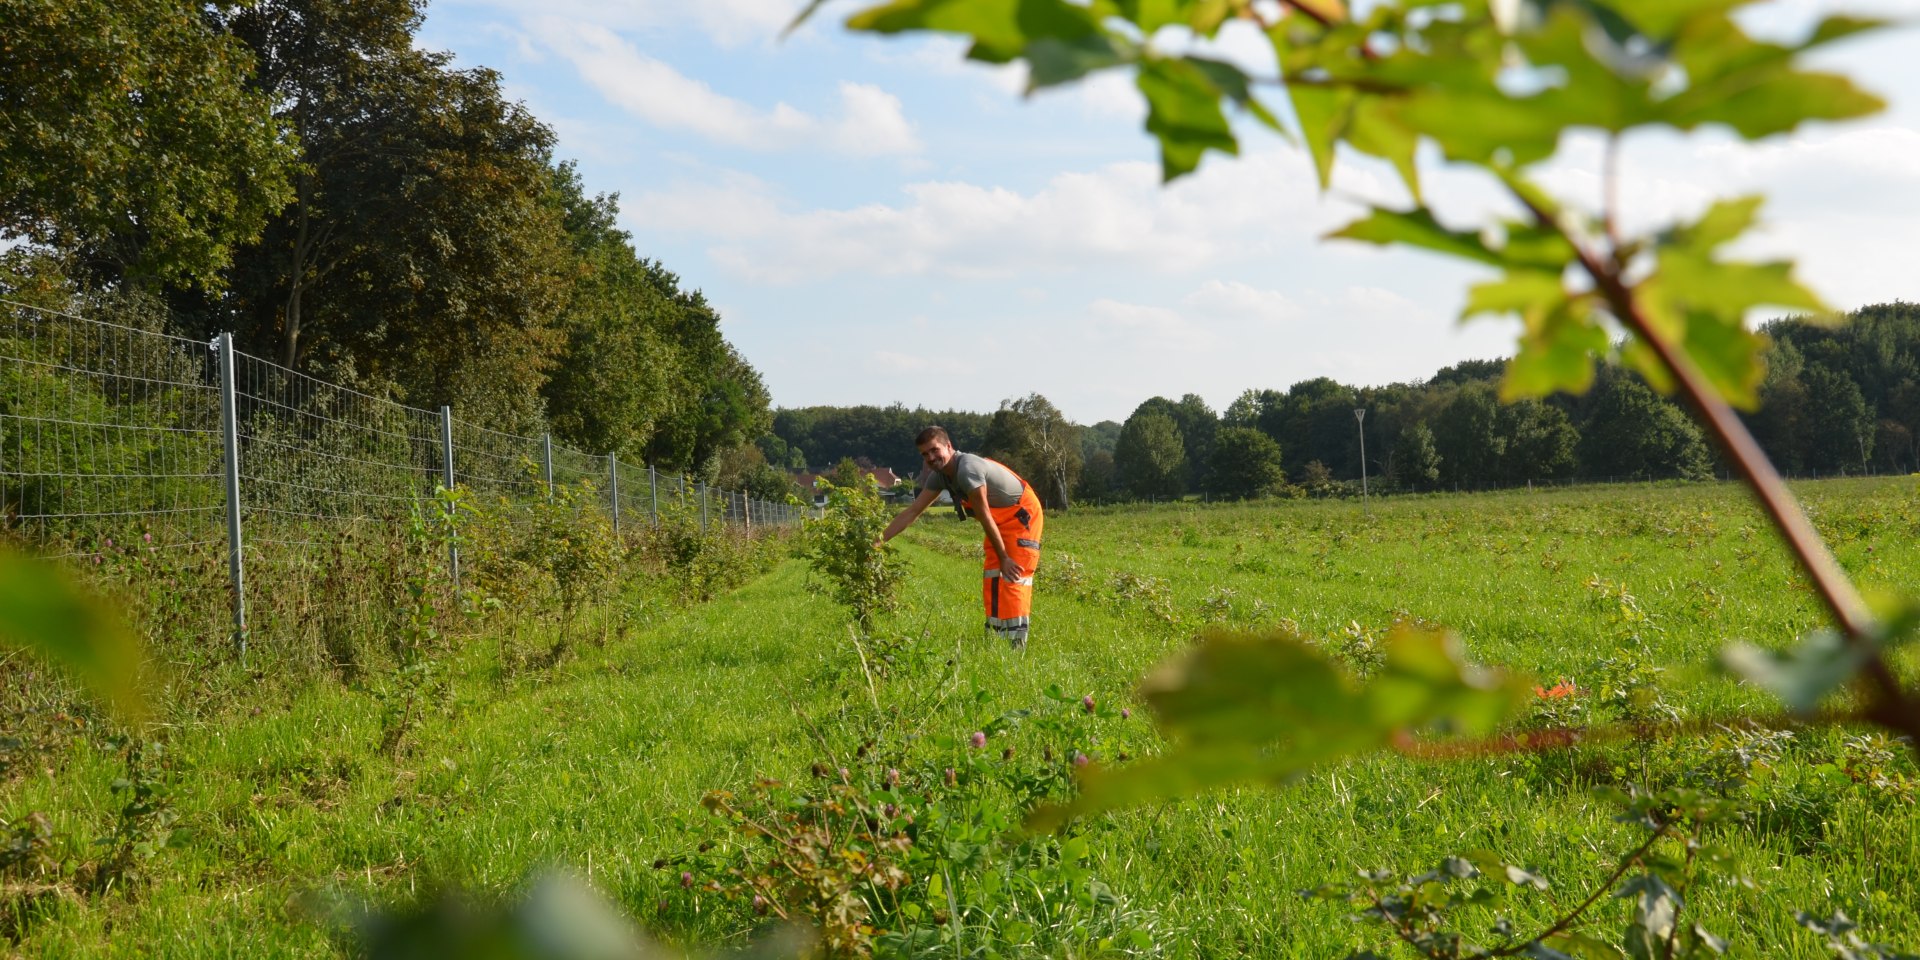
(599, 763)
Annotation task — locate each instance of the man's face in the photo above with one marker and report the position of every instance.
(936, 453)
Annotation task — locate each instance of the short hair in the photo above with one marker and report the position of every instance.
(931, 434)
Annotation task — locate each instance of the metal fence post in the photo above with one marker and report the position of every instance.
(546, 461)
(230, 464)
(613, 487)
(746, 511)
(703, 508)
(653, 496)
(446, 470)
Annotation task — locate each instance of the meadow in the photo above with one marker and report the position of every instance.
(287, 803)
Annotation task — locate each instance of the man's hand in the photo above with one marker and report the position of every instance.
(1008, 569)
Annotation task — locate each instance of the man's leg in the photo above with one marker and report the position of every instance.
(1010, 602)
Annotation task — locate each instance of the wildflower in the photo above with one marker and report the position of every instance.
(1081, 759)
(893, 777)
(1126, 713)
(1006, 754)
(979, 739)
(948, 777)
(1086, 703)
(686, 878)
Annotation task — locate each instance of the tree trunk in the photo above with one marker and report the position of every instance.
(297, 278)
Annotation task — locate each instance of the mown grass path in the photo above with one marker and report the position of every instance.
(598, 764)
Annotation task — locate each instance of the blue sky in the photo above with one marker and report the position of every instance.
(879, 221)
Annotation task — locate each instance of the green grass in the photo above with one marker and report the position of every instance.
(598, 764)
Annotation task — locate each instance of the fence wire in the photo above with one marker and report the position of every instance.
(109, 435)
(111, 439)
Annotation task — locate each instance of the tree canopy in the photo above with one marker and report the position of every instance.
(301, 173)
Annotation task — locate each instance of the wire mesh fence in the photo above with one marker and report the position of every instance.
(116, 437)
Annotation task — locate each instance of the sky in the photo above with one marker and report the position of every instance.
(879, 221)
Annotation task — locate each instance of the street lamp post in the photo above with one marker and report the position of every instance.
(1360, 421)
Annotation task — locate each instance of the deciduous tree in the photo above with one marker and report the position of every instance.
(1150, 458)
(131, 137)
(1246, 463)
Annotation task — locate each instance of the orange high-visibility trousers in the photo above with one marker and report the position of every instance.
(1009, 601)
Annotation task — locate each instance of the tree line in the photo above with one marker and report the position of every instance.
(298, 172)
(1839, 396)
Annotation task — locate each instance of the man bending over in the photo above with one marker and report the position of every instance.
(1008, 511)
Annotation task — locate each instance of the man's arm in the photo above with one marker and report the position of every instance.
(905, 517)
(978, 504)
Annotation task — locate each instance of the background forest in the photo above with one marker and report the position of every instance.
(1837, 398)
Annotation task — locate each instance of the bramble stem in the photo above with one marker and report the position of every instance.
(1889, 705)
(1626, 863)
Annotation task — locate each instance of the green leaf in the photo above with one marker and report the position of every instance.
(1520, 291)
(1204, 17)
(1323, 113)
(1656, 907)
(44, 612)
(1375, 127)
(1584, 947)
(1723, 222)
(1266, 707)
(1841, 27)
(1417, 228)
(1522, 878)
(1000, 29)
(1233, 82)
(1700, 304)
(1183, 112)
(1804, 675)
(1151, 15)
(1763, 101)
(1056, 61)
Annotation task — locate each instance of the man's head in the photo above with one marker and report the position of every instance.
(936, 448)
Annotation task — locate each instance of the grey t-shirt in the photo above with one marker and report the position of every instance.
(969, 473)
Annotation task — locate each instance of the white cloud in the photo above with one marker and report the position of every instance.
(1227, 336)
(1157, 328)
(1115, 217)
(871, 121)
(728, 23)
(1235, 300)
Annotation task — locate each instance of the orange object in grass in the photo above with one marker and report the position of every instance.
(1564, 688)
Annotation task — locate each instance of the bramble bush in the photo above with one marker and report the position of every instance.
(844, 551)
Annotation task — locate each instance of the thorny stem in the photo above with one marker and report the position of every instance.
(1626, 863)
(1889, 705)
